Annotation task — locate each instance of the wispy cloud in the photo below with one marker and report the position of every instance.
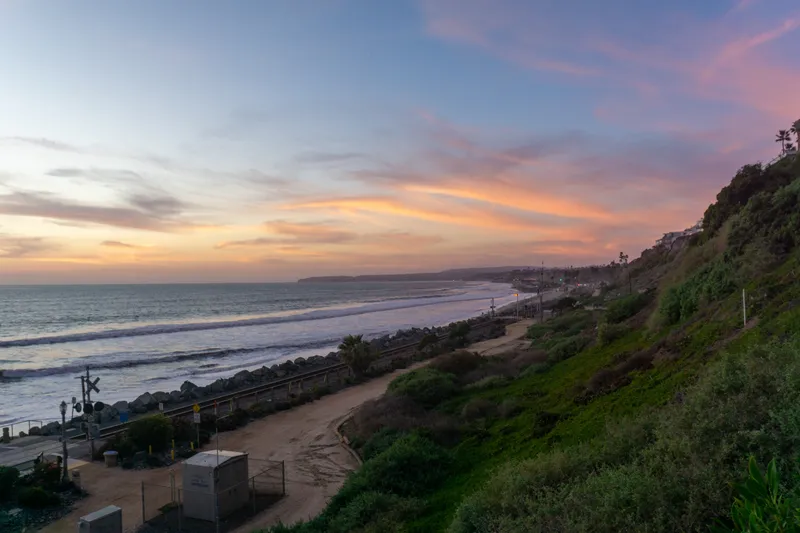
(13, 246)
(327, 157)
(118, 244)
(156, 216)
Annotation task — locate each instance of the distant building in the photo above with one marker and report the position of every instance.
(673, 236)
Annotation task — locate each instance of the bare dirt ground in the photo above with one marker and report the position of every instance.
(512, 340)
(316, 463)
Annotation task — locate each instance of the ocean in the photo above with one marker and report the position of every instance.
(139, 338)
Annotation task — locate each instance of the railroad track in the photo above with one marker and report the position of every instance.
(220, 399)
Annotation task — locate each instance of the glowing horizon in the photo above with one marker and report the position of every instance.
(211, 142)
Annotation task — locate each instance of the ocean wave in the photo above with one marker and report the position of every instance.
(174, 357)
(316, 314)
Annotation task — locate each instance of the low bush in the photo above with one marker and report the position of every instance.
(46, 475)
(153, 430)
(667, 471)
(457, 363)
(508, 408)
(402, 414)
(478, 408)
(380, 511)
(8, 482)
(713, 282)
(426, 386)
(624, 308)
(119, 443)
(488, 382)
(261, 409)
(412, 466)
(608, 332)
(567, 348)
(37, 498)
(380, 442)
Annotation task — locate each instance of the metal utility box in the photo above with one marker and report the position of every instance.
(215, 482)
(106, 520)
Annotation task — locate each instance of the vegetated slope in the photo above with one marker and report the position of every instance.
(638, 417)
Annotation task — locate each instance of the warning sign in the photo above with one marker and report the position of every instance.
(196, 408)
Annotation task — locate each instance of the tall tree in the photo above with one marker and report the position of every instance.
(623, 260)
(783, 137)
(796, 130)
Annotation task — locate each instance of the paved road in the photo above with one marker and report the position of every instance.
(23, 450)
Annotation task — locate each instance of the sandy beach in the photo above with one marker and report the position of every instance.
(316, 462)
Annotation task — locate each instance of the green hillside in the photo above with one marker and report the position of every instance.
(638, 415)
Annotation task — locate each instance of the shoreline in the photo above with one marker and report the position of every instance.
(316, 462)
(189, 393)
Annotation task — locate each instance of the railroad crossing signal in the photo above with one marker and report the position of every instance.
(92, 385)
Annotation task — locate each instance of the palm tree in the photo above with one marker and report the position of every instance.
(796, 130)
(783, 137)
(356, 353)
(623, 260)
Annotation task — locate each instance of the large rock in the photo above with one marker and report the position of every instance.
(218, 386)
(121, 407)
(175, 396)
(35, 430)
(188, 385)
(333, 356)
(143, 403)
(53, 428)
(316, 360)
(300, 361)
(161, 397)
(108, 414)
(242, 378)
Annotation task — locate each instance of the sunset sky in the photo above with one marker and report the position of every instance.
(160, 141)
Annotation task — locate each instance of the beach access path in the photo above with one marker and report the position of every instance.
(304, 437)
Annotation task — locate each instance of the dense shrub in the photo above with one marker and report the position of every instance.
(478, 408)
(426, 386)
(8, 482)
(46, 475)
(381, 512)
(624, 308)
(713, 282)
(457, 363)
(412, 466)
(488, 382)
(380, 442)
(153, 430)
(608, 333)
(672, 471)
(567, 348)
(37, 498)
(459, 330)
(402, 414)
(119, 443)
(508, 408)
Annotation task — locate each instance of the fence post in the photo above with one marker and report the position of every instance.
(216, 508)
(180, 511)
(144, 514)
(254, 495)
(283, 476)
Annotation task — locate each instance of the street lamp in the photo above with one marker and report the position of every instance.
(63, 409)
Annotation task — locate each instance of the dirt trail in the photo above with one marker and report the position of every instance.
(316, 463)
(512, 340)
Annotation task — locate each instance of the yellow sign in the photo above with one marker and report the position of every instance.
(196, 408)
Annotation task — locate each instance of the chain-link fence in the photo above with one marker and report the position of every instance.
(219, 505)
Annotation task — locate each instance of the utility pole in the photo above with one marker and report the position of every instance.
(492, 307)
(63, 409)
(744, 308)
(541, 305)
(517, 305)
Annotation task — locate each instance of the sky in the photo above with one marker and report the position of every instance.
(211, 141)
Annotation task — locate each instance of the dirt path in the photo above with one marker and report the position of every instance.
(316, 463)
(512, 340)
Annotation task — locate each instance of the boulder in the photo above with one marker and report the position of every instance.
(242, 377)
(175, 396)
(280, 373)
(53, 428)
(35, 430)
(316, 360)
(143, 403)
(274, 368)
(121, 407)
(188, 385)
(108, 414)
(289, 367)
(218, 386)
(161, 397)
(259, 373)
(300, 361)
